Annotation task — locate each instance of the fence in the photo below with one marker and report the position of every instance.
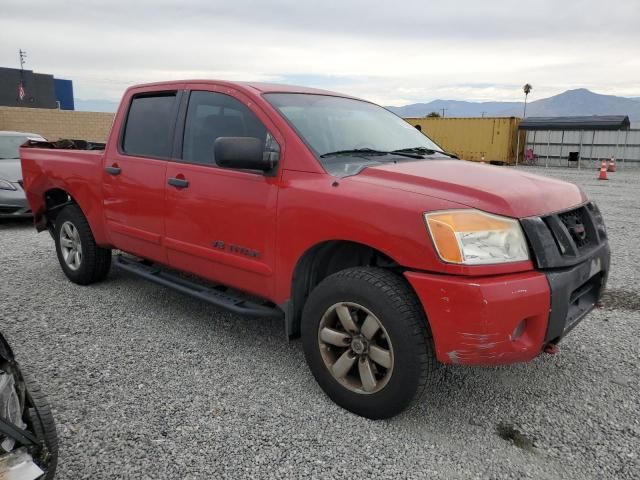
(55, 124)
(582, 148)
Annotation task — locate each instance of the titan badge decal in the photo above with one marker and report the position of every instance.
(237, 249)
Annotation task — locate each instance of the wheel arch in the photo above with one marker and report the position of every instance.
(55, 199)
(324, 259)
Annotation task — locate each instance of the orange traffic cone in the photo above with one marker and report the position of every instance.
(603, 171)
(612, 165)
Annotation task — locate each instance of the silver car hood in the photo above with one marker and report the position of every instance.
(10, 169)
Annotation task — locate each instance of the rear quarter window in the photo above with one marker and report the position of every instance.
(148, 130)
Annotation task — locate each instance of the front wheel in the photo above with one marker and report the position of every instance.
(367, 341)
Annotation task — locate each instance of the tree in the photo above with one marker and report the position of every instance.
(433, 115)
(526, 89)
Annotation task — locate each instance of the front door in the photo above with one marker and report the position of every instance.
(134, 175)
(220, 222)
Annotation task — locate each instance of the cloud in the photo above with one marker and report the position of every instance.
(389, 52)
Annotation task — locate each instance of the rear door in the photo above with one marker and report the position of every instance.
(220, 222)
(134, 174)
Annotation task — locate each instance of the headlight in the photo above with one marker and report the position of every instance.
(6, 185)
(472, 237)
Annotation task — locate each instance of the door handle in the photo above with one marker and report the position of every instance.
(178, 182)
(113, 170)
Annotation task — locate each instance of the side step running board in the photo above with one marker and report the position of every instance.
(225, 300)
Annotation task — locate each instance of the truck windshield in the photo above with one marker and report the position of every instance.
(348, 135)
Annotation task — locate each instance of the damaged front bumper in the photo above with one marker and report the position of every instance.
(508, 318)
(487, 320)
(512, 318)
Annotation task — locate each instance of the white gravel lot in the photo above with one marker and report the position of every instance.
(148, 383)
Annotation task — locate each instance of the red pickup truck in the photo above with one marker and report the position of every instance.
(385, 253)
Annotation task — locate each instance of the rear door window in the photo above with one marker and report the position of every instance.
(148, 131)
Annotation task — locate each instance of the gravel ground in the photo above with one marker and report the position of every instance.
(148, 383)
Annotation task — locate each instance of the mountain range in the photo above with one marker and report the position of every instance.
(570, 103)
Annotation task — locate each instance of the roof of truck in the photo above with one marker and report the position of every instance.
(262, 87)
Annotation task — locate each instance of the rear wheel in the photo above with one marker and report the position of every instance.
(367, 342)
(81, 259)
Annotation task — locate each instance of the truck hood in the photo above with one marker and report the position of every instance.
(10, 169)
(499, 190)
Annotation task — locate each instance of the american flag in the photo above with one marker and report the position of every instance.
(21, 93)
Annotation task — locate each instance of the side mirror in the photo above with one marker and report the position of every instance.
(242, 152)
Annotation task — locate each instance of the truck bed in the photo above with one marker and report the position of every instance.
(72, 165)
(65, 144)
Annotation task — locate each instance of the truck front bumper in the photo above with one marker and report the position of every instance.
(508, 318)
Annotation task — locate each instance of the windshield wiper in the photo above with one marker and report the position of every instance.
(370, 151)
(424, 151)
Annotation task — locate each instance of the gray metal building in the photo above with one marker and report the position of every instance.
(581, 141)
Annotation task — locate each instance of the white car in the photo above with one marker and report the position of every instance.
(13, 203)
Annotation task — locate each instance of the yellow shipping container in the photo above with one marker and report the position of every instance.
(494, 138)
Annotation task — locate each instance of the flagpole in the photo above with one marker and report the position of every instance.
(21, 91)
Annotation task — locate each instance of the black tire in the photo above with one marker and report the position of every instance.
(40, 420)
(96, 261)
(390, 298)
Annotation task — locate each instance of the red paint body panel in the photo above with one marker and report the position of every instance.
(77, 172)
(473, 318)
(472, 310)
(493, 189)
(311, 210)
(238, 208)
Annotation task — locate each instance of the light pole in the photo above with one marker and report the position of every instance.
(526, 89)
(21, 92)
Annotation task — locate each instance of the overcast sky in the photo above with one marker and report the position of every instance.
(391, 52)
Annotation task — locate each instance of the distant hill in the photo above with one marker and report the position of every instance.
(581, 102)
(96, 105)
(572, 102)
(454, 108)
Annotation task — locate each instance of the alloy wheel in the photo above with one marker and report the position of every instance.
(70, 245)
(355, 347)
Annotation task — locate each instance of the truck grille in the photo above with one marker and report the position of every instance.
(575, 223)
(564, 239)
